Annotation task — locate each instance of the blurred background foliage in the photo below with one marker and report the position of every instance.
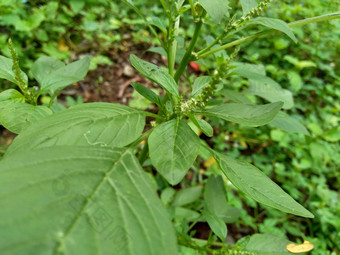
(307, 167)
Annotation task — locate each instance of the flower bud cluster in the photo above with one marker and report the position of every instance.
(198, 102)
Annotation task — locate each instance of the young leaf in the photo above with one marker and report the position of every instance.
(45, 66)
(258, 186)
(200, 83)
(216, 8)
(285, 122)
(215, 196)
(276, 24)
(80, 200)
(245, 114)
(202, 125)
(156, 21)
(263, 86)
(215, 199)
(187, 196)
(182, 214)
(6, 71)
(17, 116)
(216, 224)
(101, 124)
(173, 149)
(147, 93)
(155, 74)
(248, 5)
(64, 76)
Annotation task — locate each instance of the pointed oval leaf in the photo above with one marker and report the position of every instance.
(44, 66)
(147, 93)
(187, 196)
(173, 149)
(155, 74)
(204, 126)
(215, 200)
(258, 186)
(245, 114)
(200, 83)
(17, 116)
(215, 196)
(216, 224)
(65, 76)
(287, 123)
(80, 201)
(101, 124)
(276, 24)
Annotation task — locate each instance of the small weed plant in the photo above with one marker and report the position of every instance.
(72, 181)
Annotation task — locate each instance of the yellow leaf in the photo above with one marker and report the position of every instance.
(300, 248)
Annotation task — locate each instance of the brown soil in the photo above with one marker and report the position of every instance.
(112, 83)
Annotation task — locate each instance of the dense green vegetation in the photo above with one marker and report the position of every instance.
(303, 158)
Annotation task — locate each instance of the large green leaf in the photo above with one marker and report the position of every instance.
(258, 186)
(276, 24)
(216, 8)
(155, 74)
(80, 200)
(173, 149)
(17, 116)
(245, 114)
(283, 121)
(6, 71)
(100, 124)
(45, 66)
(63, 76)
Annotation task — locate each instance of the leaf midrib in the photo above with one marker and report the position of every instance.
(89, 199)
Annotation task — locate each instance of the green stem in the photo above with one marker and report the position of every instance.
(172, 43)
(326, 17)
(150, 114)
(143, 154)
(144, 136)
(193, 12)
(212, 44)
(188, 54)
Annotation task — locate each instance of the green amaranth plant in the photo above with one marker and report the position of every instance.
(71, 182)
